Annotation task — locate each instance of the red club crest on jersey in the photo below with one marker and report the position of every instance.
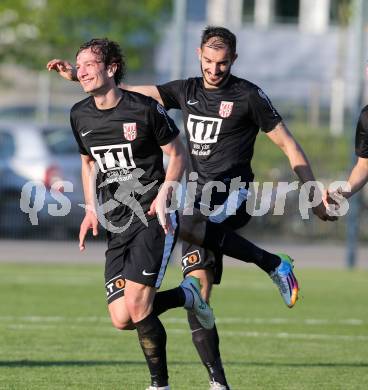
(130, 131)
(225, 109)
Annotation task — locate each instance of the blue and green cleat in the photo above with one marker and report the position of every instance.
(200, 308)
(285, 280)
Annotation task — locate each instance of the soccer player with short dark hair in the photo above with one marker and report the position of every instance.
(222, 117)
(122, 136)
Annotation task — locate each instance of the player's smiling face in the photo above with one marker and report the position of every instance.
(215, 65)
(92, 73)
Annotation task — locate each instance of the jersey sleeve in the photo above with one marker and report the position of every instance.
(361, 135)
(170, 93)
(82, 149)
(262, 111)
(164, 128)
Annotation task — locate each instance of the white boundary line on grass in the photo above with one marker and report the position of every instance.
(177, 320)
(16, 323)
(286, 335)
(223, 333)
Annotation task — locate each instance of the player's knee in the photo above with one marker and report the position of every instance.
(122, 324)
(121, 320)
(137, 308)
(119, 315)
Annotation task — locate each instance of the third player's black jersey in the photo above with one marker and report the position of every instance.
(221, 124)
(125, 142)
(361, 135)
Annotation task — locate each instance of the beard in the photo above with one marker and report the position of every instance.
(223, 77)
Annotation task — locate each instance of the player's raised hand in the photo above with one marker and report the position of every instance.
(159, 207)
(89, 222)
(321, 212)
(64, 68)
(335, 201)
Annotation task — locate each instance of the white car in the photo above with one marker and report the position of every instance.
(33, 158)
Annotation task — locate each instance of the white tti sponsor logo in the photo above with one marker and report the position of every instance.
(130, 131)
(225, 109)
(202, 129)
(113, 157)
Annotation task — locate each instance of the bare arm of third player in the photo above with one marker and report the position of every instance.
(359, 174)
(358, 177)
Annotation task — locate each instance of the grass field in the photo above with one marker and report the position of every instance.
(55, 332)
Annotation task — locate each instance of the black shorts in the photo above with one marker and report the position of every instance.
(195, 257)
(140, 254)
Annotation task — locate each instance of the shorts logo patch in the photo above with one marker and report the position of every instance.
(130, 131)
(114, 286)
(190, 260)
(225, 109)
(120, 283)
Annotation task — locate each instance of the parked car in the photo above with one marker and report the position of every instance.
(33, 158)
(28, 112)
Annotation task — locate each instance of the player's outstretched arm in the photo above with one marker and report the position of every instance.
(148, 90)
(64, 68)
(358, 177)
(90, 220)
(282, 137)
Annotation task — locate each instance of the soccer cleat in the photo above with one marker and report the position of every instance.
(158, 388)
(218, 386)
(201, 309)
(285, 280)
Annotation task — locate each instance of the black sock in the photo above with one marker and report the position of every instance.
(152, 338)
(168, 299)
(231, 244)
(207, 343)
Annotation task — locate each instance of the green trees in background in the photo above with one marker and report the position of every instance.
(33, 31)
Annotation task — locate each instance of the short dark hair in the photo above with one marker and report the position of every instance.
(109, 53)
(225, 38)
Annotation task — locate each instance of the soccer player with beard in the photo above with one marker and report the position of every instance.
(122, 136)
(222, 117)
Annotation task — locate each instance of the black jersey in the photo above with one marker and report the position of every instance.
(125, 142)
(221, 124)
(361, 135)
